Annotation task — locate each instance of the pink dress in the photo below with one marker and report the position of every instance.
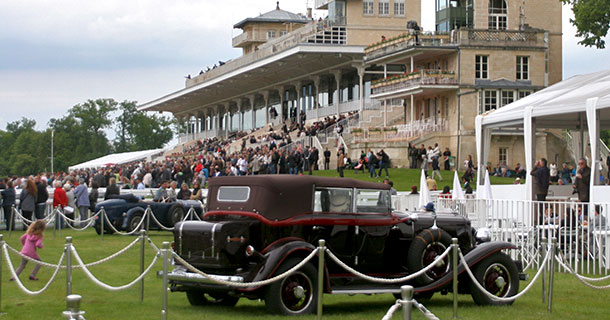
(30, 243)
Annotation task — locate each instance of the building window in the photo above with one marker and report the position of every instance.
(490, 100)
(508, 97)
(503, 156)
(368, 7)
(524, 93)
(523, 68)
(498, 14)
(283, 33)
(271, 34)
(384, 7)
(399, 8)
(481, 67)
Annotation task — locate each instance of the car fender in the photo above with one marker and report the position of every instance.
(130, 213)
(473, 257)
(278, 254)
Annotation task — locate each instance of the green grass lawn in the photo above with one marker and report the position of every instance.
(405, 178)
(572, 300)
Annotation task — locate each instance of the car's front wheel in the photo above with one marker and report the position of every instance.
(134, 221)
(499, 275)
(295, 294)
(198, 297)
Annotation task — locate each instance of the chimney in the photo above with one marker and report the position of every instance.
(278, 6)
(309, 13)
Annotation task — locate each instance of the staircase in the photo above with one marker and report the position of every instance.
(374, 118)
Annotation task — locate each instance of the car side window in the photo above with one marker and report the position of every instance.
(333, 200)
(372, 201)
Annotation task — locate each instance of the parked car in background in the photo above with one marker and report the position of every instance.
(257, 227)
(125, 212)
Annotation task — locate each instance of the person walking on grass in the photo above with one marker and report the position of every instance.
(31, 240)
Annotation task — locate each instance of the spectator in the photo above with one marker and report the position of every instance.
(82, 199)
(171, 192)
(111, 189)
(431, 184)
(184, 193)
(41, 197)
(196, 195)
(384, 163)
(413, 154)
(553, 172)
(27, 200)
(583, 178)
(162, 194)
(93, 196)
(391, 184)
(326, 159)
(340, 163)
(414, 190)
(446, 158)
(8, 202)
(436, 170)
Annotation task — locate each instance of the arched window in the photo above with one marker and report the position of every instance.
(497, 14)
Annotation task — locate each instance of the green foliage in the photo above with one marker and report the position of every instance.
(80, 136)
(591, 20)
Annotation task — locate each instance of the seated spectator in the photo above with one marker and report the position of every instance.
(431, 184)
(184, 193)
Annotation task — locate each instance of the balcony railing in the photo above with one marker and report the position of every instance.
(344, 107)
(462, 37)
(405, 132)
(414, 79)
(247, 37)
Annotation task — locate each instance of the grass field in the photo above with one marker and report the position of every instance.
(572, 300)
(405, 178)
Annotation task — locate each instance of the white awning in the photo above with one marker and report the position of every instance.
(557, 103)
(118, 158)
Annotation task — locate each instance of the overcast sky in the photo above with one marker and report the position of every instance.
(58, 53)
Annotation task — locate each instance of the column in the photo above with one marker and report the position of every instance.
(299, 89)
(385, 113)
(337, 94)
(361, 88)
(412, 108)
(266, 99)
(252, 99)
(316, 102)
(412, 64)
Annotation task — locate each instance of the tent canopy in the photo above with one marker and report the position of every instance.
(117, 159)
(558, 103)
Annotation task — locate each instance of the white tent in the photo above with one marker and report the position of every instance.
(457, 193)
(424, 192)
(579, 102)
(118, 158)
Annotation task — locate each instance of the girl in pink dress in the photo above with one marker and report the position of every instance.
(31, 240)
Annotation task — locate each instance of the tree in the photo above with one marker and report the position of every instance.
(138, 130)
(592, 20)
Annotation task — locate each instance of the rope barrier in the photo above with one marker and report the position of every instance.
(28, 221)
(18, 281)
(385, 280)
(583, 279)
(108, 287)
(160, 224)
(392, 310)
(246, 284)
(424, 310)
(136, 229)
(152, 244)
(515, 297)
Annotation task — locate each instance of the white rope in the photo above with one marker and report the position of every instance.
(582, 278)
(153, 245)
(18, 281)
(160, 224)
(81, 221)
(246, 284)
(136, 229)
(424, 310)
(385, 280)
(108, 287)
(392, 310)
(45, 264)
(89, 224)
(28, 221)
(515, 297)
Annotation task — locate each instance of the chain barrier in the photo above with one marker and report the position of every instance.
(108, 287)
(582, 279)
(18, 281)
(245, 284)
(385, 280)
(547, 257)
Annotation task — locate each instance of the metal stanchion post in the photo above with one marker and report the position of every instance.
(58, 220)
(322, 249)
(455, 276)
(542, 256)
(103, 217)
(1, 248)
(406, 293)
(12, 222)
(148, 212)
(73, 306)
(165, 280)
(143, 243)
(552, 275)
(68, 265)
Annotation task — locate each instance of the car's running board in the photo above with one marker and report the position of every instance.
(366, 291)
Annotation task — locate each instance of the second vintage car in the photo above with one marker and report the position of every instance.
(257, 227)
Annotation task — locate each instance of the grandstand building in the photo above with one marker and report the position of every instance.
(409, 86)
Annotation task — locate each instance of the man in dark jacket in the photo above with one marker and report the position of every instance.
(583, 178)
(541, 181)
(326, 159)
(41, 199)
(8, 201)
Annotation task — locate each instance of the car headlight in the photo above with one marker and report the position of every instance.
(483, 235)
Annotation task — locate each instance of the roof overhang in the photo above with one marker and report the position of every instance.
(283, 68)
(404, 55)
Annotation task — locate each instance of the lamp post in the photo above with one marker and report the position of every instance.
(52, 135)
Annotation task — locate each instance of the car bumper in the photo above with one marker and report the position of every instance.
(180, 275)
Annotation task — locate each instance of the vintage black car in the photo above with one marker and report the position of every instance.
(257, 227)
(126, 211)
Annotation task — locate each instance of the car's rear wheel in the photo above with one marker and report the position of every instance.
(295, 294)
(134, 221)
(176, 213)
(198, 297)
(499, 275)
(425, 248)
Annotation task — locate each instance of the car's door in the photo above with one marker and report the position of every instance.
(374, 223)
